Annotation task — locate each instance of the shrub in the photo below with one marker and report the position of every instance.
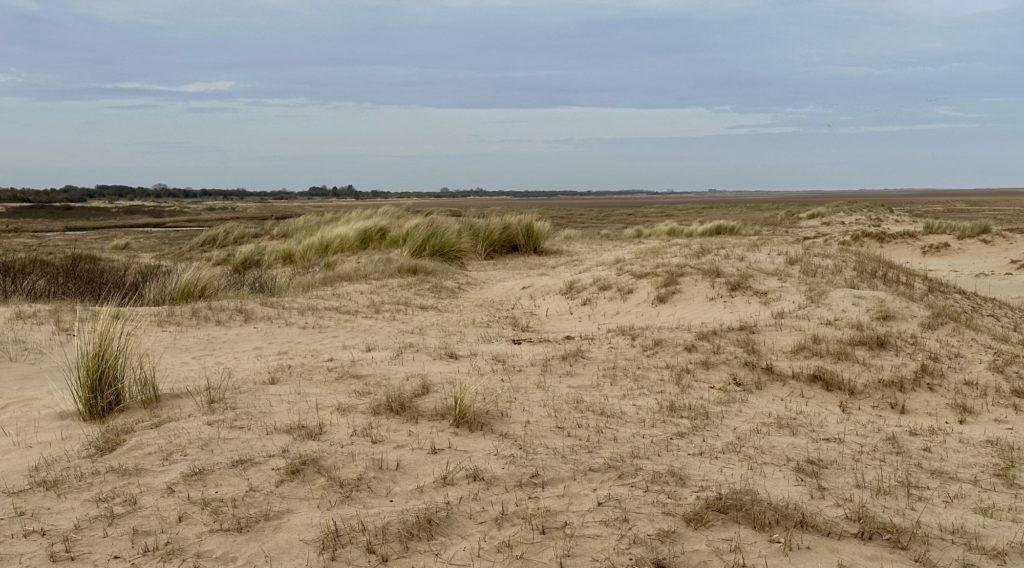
(107, 372)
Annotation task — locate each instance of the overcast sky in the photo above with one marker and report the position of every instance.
(517, 94)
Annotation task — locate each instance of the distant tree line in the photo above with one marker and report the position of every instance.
(77, 194)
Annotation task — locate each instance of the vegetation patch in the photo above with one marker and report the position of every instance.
(960, 230)
(749, 508)
(672, 229)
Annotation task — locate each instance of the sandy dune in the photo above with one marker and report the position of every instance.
(782, 398)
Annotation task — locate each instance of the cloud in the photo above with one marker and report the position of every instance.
(954, 113)
(285, 81)
(189, 88)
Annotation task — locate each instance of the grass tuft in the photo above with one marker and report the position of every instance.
(434, 238)
(748, 507)
(399, 400)
(511, 234)
(464, 407)
(184, 285)
(225, 235)
(107, 371)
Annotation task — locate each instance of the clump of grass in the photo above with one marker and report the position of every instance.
(107, 371)
(296, 464)
(960, 230)
(225, 235)
(511, 234)
(935, 248)
(873, 339)
(259, 281)
(302, 429)
(817, 213)
(76, 277)
(317, 239)
(98, 280)
(184, 285)
(715, 228)
(464, 406)
(434, 238)
(672, 229)
(121, 244)
(748, 507)
(830, 380)
(109, 437)
(400, 400)
(871, 526)
(212, 392)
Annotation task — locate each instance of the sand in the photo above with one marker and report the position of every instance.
(783, 398)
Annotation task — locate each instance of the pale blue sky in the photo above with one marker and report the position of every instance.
(528, 94)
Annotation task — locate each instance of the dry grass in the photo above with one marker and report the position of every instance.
(464, 406)
(672, 229)
(400, 400)
(747, 507)
(75, 276)
(791, 398)
(310, 240)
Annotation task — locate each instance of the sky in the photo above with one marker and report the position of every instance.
(513, 94)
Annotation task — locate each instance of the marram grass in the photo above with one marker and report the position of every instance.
(107, 371)
(672, 229)
(960, 230)
(314, 239)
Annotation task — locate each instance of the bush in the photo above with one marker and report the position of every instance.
(107, 371)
